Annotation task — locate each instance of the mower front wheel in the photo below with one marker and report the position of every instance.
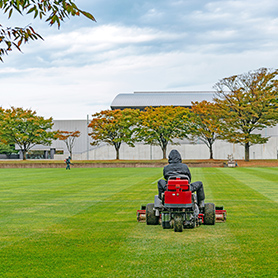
(209, 214)
(151, 219)
(178, 223)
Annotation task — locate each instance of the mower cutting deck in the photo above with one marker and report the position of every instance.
(178, 208)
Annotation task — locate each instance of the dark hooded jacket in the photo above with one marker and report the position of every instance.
(175, 167)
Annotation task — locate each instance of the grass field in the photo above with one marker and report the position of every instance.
(82, 223)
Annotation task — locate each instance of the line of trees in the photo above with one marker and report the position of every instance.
(243, 104)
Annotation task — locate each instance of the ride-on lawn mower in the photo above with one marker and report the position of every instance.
(178, 208)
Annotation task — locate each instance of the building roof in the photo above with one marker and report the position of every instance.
(140, 100)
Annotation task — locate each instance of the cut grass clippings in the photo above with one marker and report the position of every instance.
(82, 223)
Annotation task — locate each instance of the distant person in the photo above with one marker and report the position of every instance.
(67, 160)
(177, 168)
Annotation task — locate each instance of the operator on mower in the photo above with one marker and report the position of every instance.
(177, 168)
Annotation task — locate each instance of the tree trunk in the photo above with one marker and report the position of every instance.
(163, 145)
(247, 146)
(164, 149)
(24, 154)
(210, 151)
(117, 146)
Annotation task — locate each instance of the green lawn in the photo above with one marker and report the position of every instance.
(82, 223)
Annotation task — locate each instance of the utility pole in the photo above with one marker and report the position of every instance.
(88, 138)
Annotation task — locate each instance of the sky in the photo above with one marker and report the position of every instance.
(136, 45)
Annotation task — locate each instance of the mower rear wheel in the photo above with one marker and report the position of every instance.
(178, 223)
(151, 219)
(209, 214)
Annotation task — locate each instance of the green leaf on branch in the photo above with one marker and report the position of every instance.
(54, 12)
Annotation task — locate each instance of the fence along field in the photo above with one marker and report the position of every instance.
(82, 223)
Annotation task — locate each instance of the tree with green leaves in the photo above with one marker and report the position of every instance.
(69, 138)
(161, 125)
(7, 149)
(114, 127)
(24, 128)
(204, 123)
(52, 11)
(247, 103)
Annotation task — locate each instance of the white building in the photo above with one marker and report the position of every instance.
(83, 150)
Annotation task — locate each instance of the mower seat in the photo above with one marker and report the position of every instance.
(178, 184)
(178, 194)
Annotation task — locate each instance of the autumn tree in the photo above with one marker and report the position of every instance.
(204, 123)
(114, 127)
(53, 12)
(68, 137)
(24, 128)
(161, 125)
(248, 103)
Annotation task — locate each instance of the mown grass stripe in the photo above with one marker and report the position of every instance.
(263, 180)
(248, 210)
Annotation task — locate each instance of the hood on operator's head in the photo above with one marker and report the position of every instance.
(174, 157)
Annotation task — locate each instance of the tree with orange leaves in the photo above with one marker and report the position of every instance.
(248, 103)
(114, 127)
(204, 123)
(69, 138)
(160, 125)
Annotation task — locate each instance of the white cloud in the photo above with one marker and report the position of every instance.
(101, 43)
(69, 92)
(152, 15)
